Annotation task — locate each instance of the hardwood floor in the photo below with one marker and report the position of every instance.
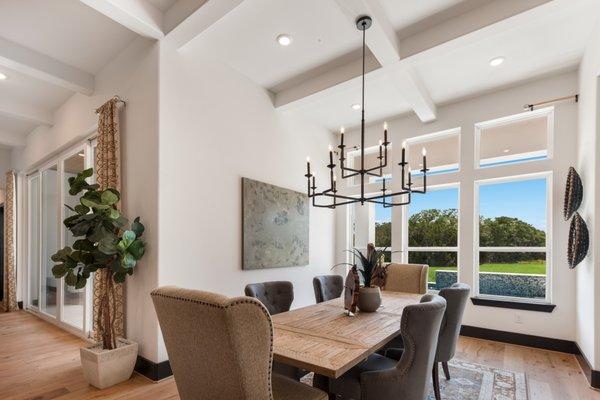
(39, 361)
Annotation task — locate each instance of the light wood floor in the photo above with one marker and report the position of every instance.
(38, 361)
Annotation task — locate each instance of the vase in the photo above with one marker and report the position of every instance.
(369, 298)
(105, 368)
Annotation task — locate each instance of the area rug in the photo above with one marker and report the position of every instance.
(476, 382)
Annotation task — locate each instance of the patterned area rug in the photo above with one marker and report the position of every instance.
(476, 382)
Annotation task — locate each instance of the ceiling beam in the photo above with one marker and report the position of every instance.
(25, 112)
(383, 42)
(42, 67)
(139, 16)
(200, 20)
(12, 139)
(476, 25)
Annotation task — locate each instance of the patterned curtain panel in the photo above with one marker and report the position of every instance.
(9, 302)
(108, 174)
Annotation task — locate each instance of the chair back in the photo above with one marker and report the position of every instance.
(456, 297)
(219, 347)
(277, 296)
(409, 278)
(328, 287)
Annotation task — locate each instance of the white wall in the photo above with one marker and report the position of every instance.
(588, 280)
(464, 114)
(133, 75)
(5, 163)
(215, 128)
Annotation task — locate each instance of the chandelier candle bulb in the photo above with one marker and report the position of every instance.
(308, 166)
(331, 156)
(424, 152)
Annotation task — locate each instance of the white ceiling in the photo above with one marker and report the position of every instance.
(24, 89)
(162, 5)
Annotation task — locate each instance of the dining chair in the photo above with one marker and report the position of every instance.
(409, 278)
(328, 287)
(277, 297)
(221, 348)
(456, 297)
(383, 378)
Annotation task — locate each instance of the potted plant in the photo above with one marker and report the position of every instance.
(105, 240)
(372, 270)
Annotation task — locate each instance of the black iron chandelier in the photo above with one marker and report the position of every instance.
(387, 198)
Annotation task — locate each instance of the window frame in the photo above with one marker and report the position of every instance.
(432, 137)
(405, 242)
(548, 176)
(511, 119)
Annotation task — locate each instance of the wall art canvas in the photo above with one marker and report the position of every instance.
(275, 226)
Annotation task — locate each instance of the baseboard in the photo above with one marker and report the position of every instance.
(151, 370)
(539, 342)
(20, 305)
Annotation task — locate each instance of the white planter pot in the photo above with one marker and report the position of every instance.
(369, 298)
(105, 368)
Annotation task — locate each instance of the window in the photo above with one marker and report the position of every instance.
(512, 237)
(514, 139)
(371, 160)
(432, 225)
(443, 152)
(372, 223)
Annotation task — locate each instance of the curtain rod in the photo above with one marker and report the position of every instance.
(533, 106)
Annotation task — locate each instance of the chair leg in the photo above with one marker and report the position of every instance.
(446, 370)
(436, 381)
(322, 382)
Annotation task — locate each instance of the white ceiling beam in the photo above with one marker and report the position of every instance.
(200, 20)
(139, 16)
(25, 112)
(42, 67)
(12, 139)
(383, 42)
(472, 27)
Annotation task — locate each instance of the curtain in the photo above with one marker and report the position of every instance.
(107, 168)
(9, 302)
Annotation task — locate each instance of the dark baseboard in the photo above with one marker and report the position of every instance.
(20, 305)
(151, 370)
(539, 342)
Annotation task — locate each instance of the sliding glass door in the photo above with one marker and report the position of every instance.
(48, 202)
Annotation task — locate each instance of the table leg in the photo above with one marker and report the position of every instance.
(322, 382)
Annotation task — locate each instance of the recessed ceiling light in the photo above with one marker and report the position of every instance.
(506, 150)
(356, 106)
(2, 76)
(494, 62)
(284, 39)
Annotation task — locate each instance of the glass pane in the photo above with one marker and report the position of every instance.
(513, 274)
(383, 226)
(442, 267)
(513, 214)
(73, 298)
(50, 239)
(34, 241)
(371, 160)
(519, 141)
(442, 154)
(433, 219)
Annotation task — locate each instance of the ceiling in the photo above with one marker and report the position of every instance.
(421, 54)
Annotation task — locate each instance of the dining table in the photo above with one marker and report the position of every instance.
(324, 339)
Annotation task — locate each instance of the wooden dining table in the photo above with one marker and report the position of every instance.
(323, 339)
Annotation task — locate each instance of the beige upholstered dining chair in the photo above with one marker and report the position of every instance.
(409, 278)
(221, 348)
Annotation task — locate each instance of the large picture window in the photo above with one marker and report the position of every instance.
(372, 223)
(512, 236)
(432, 232)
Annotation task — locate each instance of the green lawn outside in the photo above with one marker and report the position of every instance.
(532, 268)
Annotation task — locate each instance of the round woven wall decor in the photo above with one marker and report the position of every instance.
(573, 194)
(579, 241)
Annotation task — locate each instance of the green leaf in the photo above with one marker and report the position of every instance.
(119, 277)
(86, 173)
(137, 227)
(137, 249)
(92, 204)
(98, 234)
(128, 238)
(84, 244)
(59, 270)
(81, 209)
(81, 281)
(114, 214)
(128, 261)
(107, 247)
(71, 278)
(109, 198)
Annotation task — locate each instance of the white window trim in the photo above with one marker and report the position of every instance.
(511, 119)
(547, 249)
(408, 249)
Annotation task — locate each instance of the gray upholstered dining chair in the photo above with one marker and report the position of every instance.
(409, 278)
(383, 378)
(221, 348)
(456, 297)
(277, 296)
(328, 287)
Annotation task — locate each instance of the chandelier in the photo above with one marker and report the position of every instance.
(387, 198)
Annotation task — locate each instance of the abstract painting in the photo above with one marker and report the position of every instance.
(275, 226)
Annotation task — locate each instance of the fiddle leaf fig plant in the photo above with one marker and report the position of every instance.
(105, 240)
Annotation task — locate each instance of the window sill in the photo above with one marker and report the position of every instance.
(513, 304)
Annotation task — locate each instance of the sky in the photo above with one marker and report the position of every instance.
(525, 200)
